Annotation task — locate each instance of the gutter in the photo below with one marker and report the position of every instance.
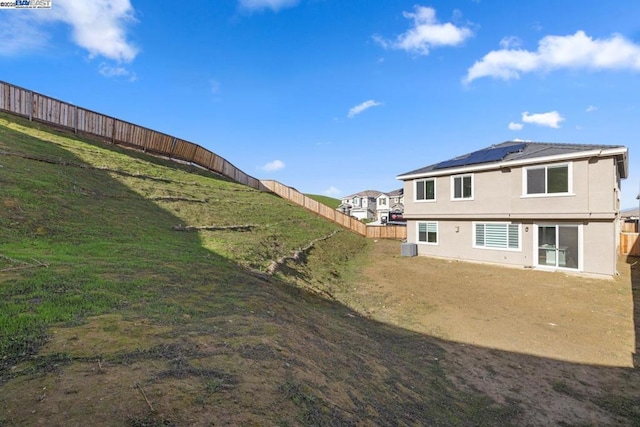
(536, 160)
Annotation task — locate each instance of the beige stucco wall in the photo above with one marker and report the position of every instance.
(499, 193)
(455, 241)
(498, 196)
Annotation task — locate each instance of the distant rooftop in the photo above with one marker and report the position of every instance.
(365, 193)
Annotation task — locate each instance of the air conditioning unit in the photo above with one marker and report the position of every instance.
(409, 249)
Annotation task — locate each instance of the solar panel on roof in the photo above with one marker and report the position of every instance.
(481, 156)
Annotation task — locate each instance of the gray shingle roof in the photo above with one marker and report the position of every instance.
(530, 150)
(365, 193)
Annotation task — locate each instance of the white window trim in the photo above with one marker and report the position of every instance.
(569, 193)
(473, 236)
(415, 191)
(453, 188)
(418, 233)
(580, 244)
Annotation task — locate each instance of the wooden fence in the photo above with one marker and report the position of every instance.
(353, 224)
(630, 244)
(396, 232)
(42, 108)
(629, 226)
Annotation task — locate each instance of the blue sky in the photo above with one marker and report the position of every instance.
(334, 97)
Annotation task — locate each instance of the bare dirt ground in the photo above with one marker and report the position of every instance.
(562, 347)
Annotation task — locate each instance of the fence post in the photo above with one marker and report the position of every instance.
(30, 103)
(75, 119)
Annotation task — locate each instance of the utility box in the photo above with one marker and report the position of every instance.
(409, 249)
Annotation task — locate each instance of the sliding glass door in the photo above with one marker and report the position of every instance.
(559, 246)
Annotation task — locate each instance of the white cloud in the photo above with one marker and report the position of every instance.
(426, 33)
(332, 192)
(99, 26)
(364, 106)
(515, 126)
(510, 42)
(591, 108)
(273, 166)
(109, 71)
(551, 119)
(556, 52)
(274, 5)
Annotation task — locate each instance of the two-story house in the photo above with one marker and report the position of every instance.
(539, 205)
(390, 206)
(361, 205)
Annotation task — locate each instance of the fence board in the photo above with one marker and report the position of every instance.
(630, 244)
(16, 100)
(159, 143)
(202, 157)
(397, 232)
(629, 227)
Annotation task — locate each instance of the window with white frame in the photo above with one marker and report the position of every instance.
(495, 235)
(382, 201)
(462, 187)
(428, 232)
(426, 189)
(549, 179)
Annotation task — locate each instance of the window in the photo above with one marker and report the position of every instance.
(462, 187)
(382, 201)
(356, 202)
(426, 189)
(428, 232)
(552, 179)
(497, 236)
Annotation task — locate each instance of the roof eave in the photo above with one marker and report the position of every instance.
(608, 152)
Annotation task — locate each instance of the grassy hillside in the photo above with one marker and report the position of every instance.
(325, 200)
(111, 310)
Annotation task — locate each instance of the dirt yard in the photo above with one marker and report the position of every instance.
(560, 346)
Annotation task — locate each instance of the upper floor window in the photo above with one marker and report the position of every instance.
(382, 201)
(462, 187)
(426, 189)
(356, 202)
(550, 179)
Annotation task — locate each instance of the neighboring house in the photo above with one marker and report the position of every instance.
(389, 206)
(541, 205)
(373, 205)
(361, 205)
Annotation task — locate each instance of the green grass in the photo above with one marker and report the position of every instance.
(325, 200)
(101, 298)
